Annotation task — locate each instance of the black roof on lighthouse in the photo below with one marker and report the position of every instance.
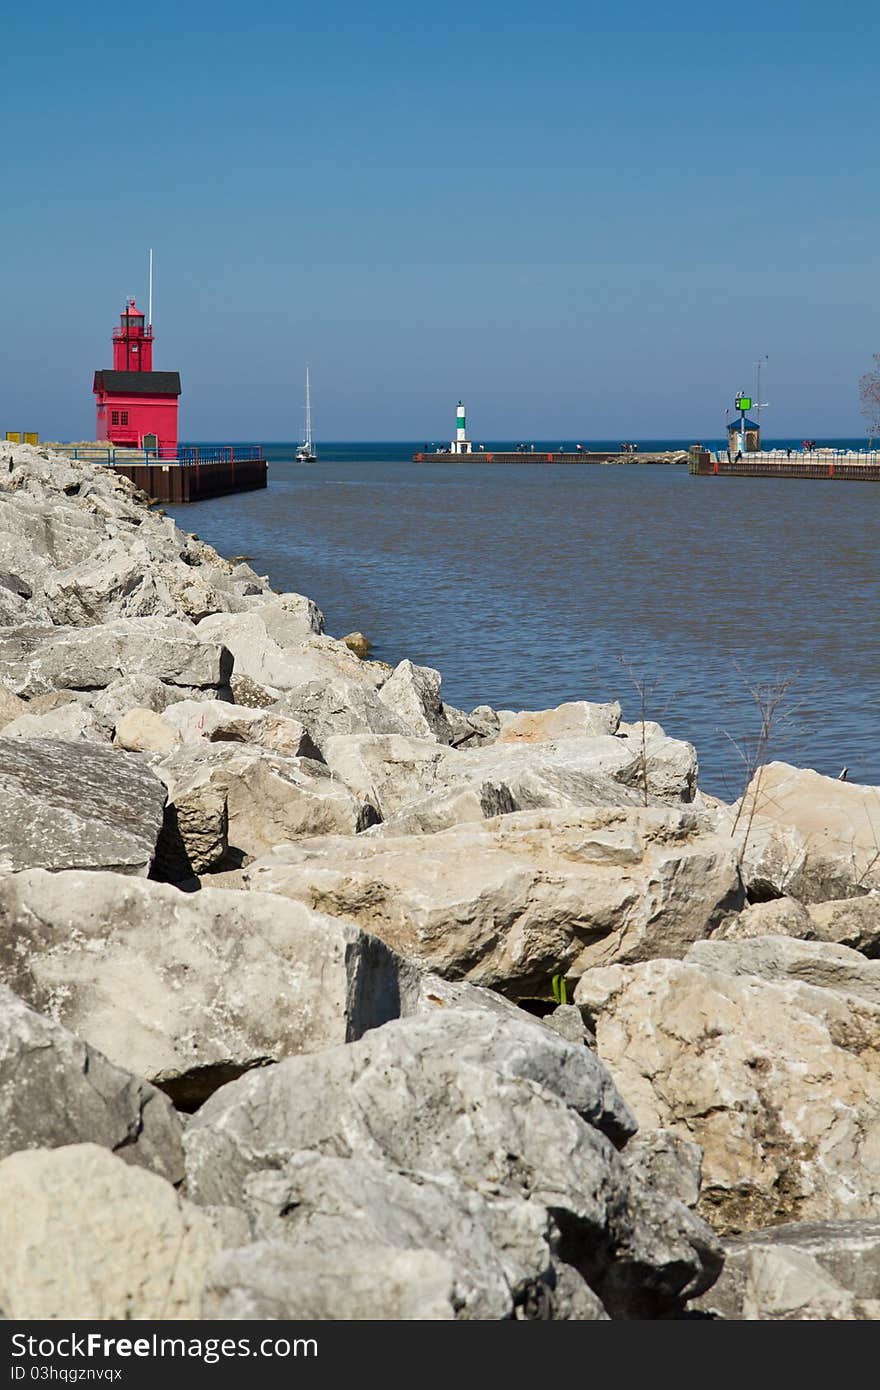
(137, 383)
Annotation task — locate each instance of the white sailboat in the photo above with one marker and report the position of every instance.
(305, 453)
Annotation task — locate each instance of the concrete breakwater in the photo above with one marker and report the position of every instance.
(821, 464)
(251, 877)
(664, 456)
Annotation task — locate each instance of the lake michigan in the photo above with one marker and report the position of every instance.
(530, 584)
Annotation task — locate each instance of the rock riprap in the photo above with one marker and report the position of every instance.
(394, 771)
(269, 798)
(248, 872)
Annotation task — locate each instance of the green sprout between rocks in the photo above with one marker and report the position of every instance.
(560, 989)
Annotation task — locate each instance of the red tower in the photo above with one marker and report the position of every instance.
(135, 402)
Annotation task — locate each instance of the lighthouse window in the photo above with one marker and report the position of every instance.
(114, 417)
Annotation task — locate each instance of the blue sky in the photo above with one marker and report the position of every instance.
(587, 220)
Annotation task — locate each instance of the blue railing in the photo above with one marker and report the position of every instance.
(219, 453)
(186, 454)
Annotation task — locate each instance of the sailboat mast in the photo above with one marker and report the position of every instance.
(308, 413)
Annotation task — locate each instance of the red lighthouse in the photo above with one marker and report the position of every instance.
(134, 402)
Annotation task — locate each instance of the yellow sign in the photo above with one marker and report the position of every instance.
(13, 436)
(31, 438)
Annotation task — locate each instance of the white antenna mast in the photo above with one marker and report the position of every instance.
(758, 402)
(150, 303)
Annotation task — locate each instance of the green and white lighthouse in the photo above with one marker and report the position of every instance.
(461, 444)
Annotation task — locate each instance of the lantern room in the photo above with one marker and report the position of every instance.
(132, 341)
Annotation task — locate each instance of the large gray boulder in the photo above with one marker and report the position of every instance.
(37, 658)
(853, 922)
(88, 1237)
(667, 767)
(73, 722)
(351, 1281)
(40, 533)
(783, 958)
(441, 810)
(777, 917)
(391, 770)
(195, 836)
(267, 652)
(665, 1163)
(56, 1090)
(775, 1079)
(215, 721)
(190, 989)
(472, 730)
(511, 902)
(413, 694)
(567, 773)
(126, 578)
(329, 707)
(816, 1271)
(320, 1215)
(471, 1103)
(270, 798)
(77, 805)
(289, 618)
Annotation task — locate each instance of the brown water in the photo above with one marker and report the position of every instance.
(527, 585)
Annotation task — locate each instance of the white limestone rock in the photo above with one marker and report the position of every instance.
(413, 694)
(190, 989)
(774, 1078)
(833, 827)
(509, 903)
(35, 659)
(577, 719)
(270, 799)
(88, 1237)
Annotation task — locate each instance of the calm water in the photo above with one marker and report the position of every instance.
(531, 584)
